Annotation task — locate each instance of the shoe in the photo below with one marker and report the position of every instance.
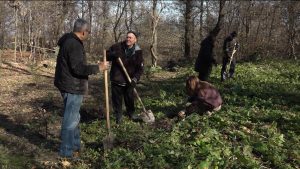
(76, 156)
(137, 118)
(65, 161)
(119, 118)
(223, 77)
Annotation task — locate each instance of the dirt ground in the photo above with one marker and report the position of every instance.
(31, 109)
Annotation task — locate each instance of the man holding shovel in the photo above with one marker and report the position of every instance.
(71, 78)
(131, 56)
(230, 46)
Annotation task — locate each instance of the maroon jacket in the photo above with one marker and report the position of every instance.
(206, 96)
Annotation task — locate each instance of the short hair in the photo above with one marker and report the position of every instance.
(79, 25)
(133, 32)
(233, 34)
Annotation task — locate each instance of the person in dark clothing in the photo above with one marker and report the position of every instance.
(205, 58)
(204, 98)
(131, 55)
(71, 78)
(230, 44)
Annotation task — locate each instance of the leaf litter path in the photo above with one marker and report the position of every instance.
(27, 103)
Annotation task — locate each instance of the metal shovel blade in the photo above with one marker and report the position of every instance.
(148, 116)
(108, 141)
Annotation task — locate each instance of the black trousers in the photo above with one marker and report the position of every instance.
(118, 93)
(226, 60)
(205, 71)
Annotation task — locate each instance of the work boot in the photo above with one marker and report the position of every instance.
(76, 156)
(119, 118)
(129, 115)
(137, 118)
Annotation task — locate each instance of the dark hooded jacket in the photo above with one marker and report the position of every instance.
(71, 73)
(229, 44)
(205, 57)
(132, 60)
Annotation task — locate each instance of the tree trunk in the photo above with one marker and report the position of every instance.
(201, 20)
(90, 6)
(259, 22)
(291, 28)
(188, 25)
(119, 14)
(272, 23)
(220, 21)
(153, 46)
(105, 14)
(16, 32)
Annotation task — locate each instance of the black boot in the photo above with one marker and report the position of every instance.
(231, 75)
(223, 76)
(118, 118)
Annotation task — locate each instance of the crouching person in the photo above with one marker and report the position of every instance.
(204, 98)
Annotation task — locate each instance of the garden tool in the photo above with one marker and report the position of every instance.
(108, 140)
(231, 57)
(147, 116)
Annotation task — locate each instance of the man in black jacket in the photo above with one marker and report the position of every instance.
(205, 58)
(71, 78)
(230, 44)
(131, 55)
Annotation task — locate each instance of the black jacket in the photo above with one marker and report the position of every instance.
(205, 57)
(134, 63)
(71, 73)
(229, 44)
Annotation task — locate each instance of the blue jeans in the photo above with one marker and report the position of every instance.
(70, 133)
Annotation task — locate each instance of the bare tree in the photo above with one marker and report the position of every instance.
(16, 5)
(290, 16)
(2, 34)
(120, 9)
(129, 15)
(154, 22)
(105, 16)
(90, 8)
(219, 24)
(188, 25)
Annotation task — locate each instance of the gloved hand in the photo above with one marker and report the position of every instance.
(133, 82)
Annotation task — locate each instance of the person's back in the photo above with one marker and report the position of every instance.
(203, 97)
(205, 58)
(71, 73)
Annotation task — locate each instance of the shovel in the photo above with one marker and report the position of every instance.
(233, 52)
(108, 140)
(147, 116)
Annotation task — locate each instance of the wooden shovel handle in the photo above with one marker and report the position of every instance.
(106, 93)
(129, 80)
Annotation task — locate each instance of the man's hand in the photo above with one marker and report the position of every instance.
(103, 65)
(133, 82)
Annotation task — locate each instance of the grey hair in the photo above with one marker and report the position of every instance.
(79, 25)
